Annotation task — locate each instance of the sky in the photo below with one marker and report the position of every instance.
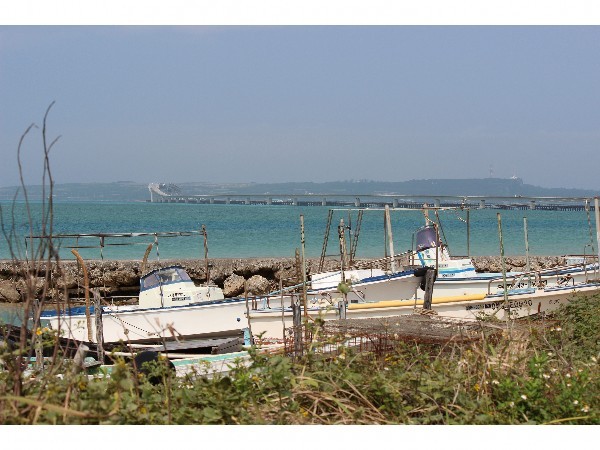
(302, 103)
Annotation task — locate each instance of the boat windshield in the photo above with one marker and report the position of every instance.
(164, 276)
(427, 238)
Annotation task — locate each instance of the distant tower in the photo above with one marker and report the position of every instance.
(491, 171)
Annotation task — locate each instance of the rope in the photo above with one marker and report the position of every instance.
(427, 312)
(121, 321)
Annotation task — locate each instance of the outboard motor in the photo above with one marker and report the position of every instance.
(140, 365)
(428, 241)
(429, 273)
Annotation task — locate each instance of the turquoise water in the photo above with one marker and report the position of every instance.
(241, 231)
(11, 314)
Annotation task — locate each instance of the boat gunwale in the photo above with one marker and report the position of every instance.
(106, 309)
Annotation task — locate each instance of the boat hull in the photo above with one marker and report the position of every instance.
(374, 289)
(130, 324)
(492, 283)
(272, 323)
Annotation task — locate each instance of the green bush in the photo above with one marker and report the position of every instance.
(548, 373)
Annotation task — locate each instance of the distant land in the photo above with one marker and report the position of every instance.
(125, 191)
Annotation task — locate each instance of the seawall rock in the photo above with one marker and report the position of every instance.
(516, 263)
(259, 285)
(122, 277)
(233, 285)
(8, 292)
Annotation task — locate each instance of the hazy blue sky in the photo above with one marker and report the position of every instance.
(277, 103)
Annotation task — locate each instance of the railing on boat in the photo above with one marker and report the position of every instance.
(562, 279)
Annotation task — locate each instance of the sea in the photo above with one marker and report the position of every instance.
(263, 231)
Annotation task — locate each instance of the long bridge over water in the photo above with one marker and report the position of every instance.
(159, 195)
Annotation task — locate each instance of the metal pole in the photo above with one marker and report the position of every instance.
(502, 259)
(390, 238)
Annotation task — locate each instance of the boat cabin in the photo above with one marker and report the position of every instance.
(172, 286)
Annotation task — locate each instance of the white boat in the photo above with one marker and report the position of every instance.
(272, 323)
(459, 277)
(170, 305)
(367, 285)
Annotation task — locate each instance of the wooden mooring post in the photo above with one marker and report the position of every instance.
(79, 358)
(38, 345)
(304, 300)
(342, 307)
(503, 261)
(248, 309)
(297, 327)
(99, 326)
(430, 277)
(86, 292)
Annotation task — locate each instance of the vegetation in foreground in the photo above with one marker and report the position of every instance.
(550, 375)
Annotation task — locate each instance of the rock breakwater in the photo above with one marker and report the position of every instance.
(259, 275)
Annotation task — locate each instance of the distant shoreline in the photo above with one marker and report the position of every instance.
(136, 191)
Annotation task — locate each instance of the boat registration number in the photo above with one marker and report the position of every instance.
(177, 297)
(513, 304)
